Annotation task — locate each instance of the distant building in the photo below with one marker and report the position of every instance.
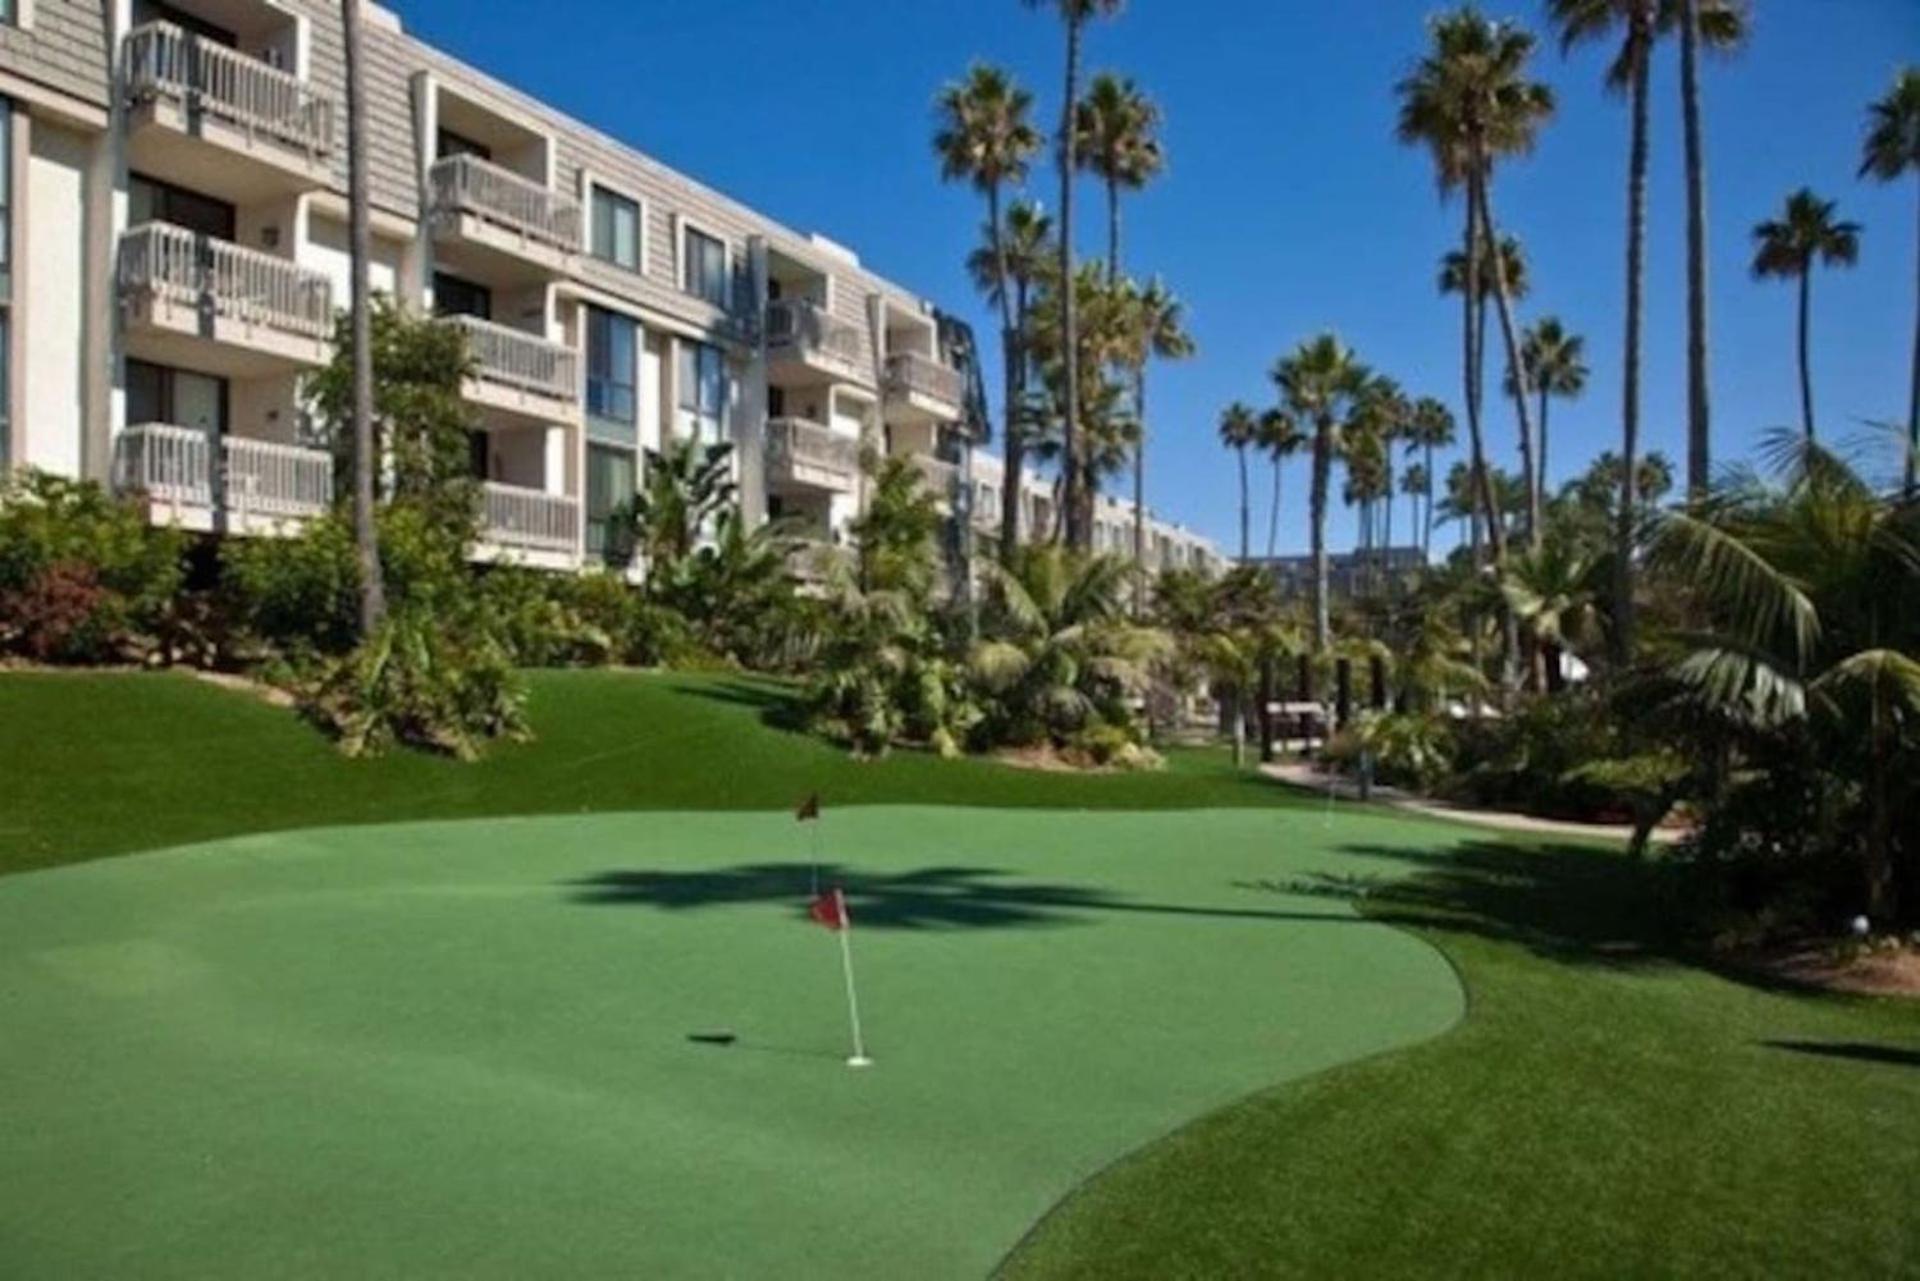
(1346, 571)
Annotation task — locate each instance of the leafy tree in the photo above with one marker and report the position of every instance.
(1787, 247)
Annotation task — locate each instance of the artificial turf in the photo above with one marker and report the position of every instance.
(1608, 1107)
(464, 1049)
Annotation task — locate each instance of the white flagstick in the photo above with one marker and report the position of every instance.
(845, 932)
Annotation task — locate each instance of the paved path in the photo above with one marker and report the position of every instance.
(1311, 778)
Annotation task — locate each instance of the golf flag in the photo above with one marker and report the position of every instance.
(829, 909)
(809, 809)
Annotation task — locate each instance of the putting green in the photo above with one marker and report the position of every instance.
(462, 1049)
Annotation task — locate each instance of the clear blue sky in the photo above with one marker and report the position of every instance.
(1287, 208)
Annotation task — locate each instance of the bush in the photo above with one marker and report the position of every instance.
(1112, 747)
(295, 595)
(84, 578)
(1528, 760)
(1412, 749)
(420, 680)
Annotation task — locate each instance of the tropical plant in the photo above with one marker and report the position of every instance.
(686, 486)
(1892, 150)
(1786, 248)
(1279, 437)
(1026, 244)
(1429, 428)
(1239, 429)
(1116, 128)
(1074, 16)
(1554, 591)
(1156, 329)
(1554, 362)
(1320, 382)
(895, 537)
(986, 138)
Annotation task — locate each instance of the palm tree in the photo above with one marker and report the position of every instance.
(1026, 242)
(1453, 280)
(1892, 149)
(986, 138)
(1074, 15)
(1114, 140)
(1430, 428)
(1554, 362)
(1320, 383)
(1720, 25)
(1157, 331)
(1416, 482)
(1239, 428)
(1470, 104)
(1364, 452)
(1554, 591)
(1280, 438)
(373, 595)
(1786, 247)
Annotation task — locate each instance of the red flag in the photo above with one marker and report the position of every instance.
(830, 910)
(809, 808)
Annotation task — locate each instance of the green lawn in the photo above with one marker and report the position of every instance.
(453, 1048)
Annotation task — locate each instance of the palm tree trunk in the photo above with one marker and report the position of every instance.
(373, 596)
(1322, 470)
(1806, 364)
(1244, 527)
(1544, 399)
(1482, 475)
(1069, 311)
(1273, 512)
(1913, 396)
(1699, 434)
(1113, 233)
(1140, 493)
(1510, 337)
(1426, 545)
(1623, 575)
(1009, 520)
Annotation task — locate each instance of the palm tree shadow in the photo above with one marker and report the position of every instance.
(1855, 1050)
(941, 897)
(778, 707)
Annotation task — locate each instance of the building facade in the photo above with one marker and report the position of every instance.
(173, 191)
(1349, 574)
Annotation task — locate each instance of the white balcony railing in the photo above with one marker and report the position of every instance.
(468, 184)
(941, 477)
(164, 61)
(529, 519)
(800, 441)
(910, 372)
(265, 478)
(243, 284)
(806, 327)
(519, 359)
(166, 463)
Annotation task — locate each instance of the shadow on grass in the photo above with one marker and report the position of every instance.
(1568, 903)
(1855, 1050)
(778, 706)
(929, 898)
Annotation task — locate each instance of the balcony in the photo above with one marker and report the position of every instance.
(260, 486)
(518, 373)
(807, 455)
(213, 119)
(923, 387)
(806, 342)
(529, 526)
(501, 226)
(941, 478)
(209, 305)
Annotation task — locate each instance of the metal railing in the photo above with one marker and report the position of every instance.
(909, 371)
(166, 463)
(806, 325)
(466, 183)
(530, 519)
(162, 60)
(519, 359)
(192, 270)
(266, 478)
(801, 441)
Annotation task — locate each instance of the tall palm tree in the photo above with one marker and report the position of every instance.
(1581, 21)
(1893, 149)
(985, 138)
(1470, 103)
(1416, 482)
(1786, 247)
(1074, 16)
(1453, 280)
(1320, 383)
(1430, 428)
(1026, 241)
(373, 594)
(1157, 331)
(1115, 129)
(1554, 362)
(1239, 428)
(1279, 438)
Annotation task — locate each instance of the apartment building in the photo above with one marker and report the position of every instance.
(175, 250)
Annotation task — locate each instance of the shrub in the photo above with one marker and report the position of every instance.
(293, 595)
(1527, 760)
(1408, 749)
(1112, 747)
(84, 578)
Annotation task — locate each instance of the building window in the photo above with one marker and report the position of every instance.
(177, 397)
(151, 200)
(612, 477)
(616, 229)
(613, 392)
(453, 296)
(145, 11)
(703, 393)
(448, 143)
(704, 273)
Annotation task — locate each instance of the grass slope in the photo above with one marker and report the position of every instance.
(95, 764)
